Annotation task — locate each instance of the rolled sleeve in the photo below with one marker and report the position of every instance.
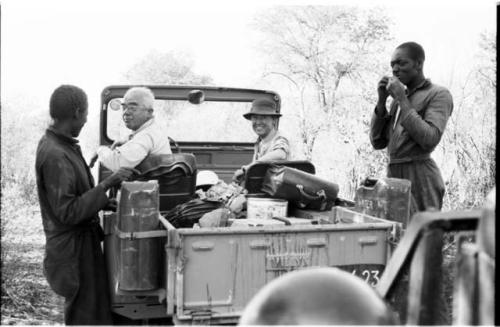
(109, 158)
(128, 155)
(281, 143)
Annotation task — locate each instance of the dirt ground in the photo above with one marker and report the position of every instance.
(26, 297)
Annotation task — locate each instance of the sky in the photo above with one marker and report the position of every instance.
(93, 43)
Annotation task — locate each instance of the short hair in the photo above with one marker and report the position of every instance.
(65, 100)
(415, 50)
(147, 96)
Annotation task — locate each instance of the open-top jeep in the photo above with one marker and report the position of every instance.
(209, 274)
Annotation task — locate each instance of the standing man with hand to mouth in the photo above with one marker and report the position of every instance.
(413, 126)
(270, 145)
(410, 130)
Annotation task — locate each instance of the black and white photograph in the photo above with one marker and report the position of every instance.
(322, 162)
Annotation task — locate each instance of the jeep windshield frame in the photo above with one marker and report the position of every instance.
(180, 93)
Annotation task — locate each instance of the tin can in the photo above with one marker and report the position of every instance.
(266, 208)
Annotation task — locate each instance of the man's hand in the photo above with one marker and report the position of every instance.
(117, 177)
(111, 206)
(382, 96)
(395, 88)
(95, 156)
(382, 89)
(117, 143)
(238, 176)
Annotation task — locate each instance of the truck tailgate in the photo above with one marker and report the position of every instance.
(214, 272)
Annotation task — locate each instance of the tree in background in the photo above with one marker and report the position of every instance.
(167, 68)
(332, 56)
(22, 127)
(470, 136)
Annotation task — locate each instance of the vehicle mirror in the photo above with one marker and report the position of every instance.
(115, 104)
(196, 96)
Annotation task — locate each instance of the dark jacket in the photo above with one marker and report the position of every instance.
(411, 139)
(74, 264)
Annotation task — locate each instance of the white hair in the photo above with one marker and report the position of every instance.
(144, 93)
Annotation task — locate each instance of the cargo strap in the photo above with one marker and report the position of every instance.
(136, 235)
(161, 293)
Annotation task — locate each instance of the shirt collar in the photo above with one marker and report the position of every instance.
(143, 126)
(268, 138)
(425, 83)
(61, 136)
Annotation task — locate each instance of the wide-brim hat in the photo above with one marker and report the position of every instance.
(263, 107)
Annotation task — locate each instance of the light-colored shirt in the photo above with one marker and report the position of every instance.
(150, 138)
(278, 142)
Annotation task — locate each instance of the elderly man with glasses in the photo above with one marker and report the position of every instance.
(147, 137)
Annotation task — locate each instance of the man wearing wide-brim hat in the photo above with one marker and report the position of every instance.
(270, 144)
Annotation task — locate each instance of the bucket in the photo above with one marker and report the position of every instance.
(266, 208)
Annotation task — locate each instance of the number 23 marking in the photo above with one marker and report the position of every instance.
(369, 275)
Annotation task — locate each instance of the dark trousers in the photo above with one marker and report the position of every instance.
(91, 304)
(427, 188)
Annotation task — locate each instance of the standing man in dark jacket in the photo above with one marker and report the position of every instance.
(413, 126)
(411, 130)
(74, 263)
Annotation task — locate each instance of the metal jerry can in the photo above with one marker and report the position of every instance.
(387, 198)
(138, 210)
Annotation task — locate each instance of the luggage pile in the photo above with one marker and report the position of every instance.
(273, 193)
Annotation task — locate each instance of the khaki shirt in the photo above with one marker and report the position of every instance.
(277, 142)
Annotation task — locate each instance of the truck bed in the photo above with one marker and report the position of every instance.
(210, 274)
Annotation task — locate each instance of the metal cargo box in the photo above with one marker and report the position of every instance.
(138, 212)
(214, 272)
(387, 198)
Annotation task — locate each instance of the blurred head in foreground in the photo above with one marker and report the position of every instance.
(317, 296)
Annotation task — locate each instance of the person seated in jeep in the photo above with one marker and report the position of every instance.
(148, 135)
(270, 144)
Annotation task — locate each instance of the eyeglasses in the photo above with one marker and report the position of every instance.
(132, 106)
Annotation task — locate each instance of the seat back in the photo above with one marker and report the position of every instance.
(176, 176)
